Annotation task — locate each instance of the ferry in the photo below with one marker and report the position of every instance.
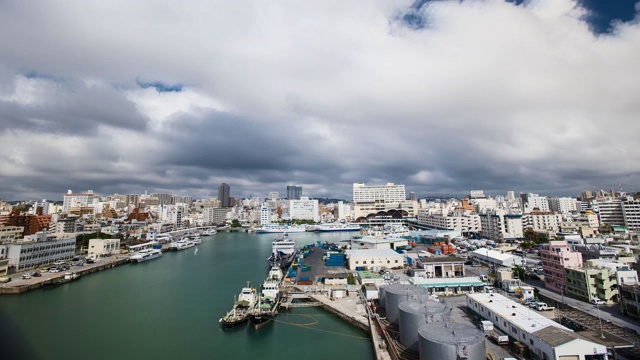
(336, 227)
(277, 228)
(145, 255)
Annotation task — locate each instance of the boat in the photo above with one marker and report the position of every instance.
(239, 313)
(209, 232)
(184, 243)
(68, 277)
(196, 239)
(283, 252)
(278, 228)
(266, 309)
(276, 274)
(336, 227)
(146, 254)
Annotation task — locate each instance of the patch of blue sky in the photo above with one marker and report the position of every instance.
(603, 14)
(160, 86)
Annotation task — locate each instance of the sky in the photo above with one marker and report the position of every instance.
(442, 96)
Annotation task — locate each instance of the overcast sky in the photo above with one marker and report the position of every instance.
(442, 96)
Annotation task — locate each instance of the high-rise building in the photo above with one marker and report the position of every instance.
(223, 195)
(76, 200)
(294, 192)
(413, 196)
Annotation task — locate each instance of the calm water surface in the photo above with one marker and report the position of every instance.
(169, 308)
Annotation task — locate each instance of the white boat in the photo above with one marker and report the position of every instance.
(283, 251)
(196, 239)
(337, 227)
(147, 254)
(183, 244)
(209, 232)
(277, 228)
(239, 313)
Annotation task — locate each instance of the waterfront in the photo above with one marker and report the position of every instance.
(169, 308)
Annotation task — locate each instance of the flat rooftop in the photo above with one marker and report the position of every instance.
(523, 317)
(372, 253)
(445, 282)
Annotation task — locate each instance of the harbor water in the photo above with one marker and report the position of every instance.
(168, 308)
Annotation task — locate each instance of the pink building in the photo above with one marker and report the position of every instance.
(555, 256)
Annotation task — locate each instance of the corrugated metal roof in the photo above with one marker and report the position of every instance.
(555, 336)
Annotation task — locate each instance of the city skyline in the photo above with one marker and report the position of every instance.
(442, 96)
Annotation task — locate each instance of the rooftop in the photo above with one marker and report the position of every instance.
(372, 253)
(523, 317)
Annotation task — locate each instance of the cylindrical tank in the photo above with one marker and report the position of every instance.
(442, 340)
(414, 314)
(397, 293)
(381, 296)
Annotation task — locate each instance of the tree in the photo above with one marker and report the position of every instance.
(235, 223)
(351, 280)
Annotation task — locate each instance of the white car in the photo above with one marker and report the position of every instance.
(598, 302)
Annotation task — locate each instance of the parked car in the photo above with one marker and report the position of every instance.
(54, 270)
(59, 262)
(4, 279)
(598, 302)
(36, 274)
(26, 276)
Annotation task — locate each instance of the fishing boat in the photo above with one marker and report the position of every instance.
(239, 313)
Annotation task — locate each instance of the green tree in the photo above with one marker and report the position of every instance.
(235, 223)
(351, 280)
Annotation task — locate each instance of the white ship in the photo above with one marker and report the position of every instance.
(277, 228)
(147, 254)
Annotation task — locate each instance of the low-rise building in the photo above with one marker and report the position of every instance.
(374, 258)
(545, 338)
(441, 267)
(9, 234)
(30, 255)
(99, 247)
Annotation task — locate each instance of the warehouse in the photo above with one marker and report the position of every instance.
(545, 338)
(373, 259)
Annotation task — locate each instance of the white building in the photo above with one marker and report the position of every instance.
(531, 202)
(31, 255)
(265, 215)
(98, 247)
(495, 258)
(462, 221)
(631, 213)
(9, 234)
(214, 215)
(610, 212)
(544, 337)
(542, 221)
(304, 209)
(562, 205)
(500, 226)
(370, 258)
(369, 200)
(71, 200)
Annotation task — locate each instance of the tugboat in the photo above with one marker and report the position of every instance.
(239, 313)
(283, 252)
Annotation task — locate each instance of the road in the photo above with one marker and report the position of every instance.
(610, 313)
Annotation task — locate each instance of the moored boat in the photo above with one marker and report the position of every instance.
(283, 251)
(239, 313)
(145, 255)
(209, 232)
(267, 308)
(277, 228)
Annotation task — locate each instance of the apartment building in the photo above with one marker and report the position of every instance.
(462, 221)
(555, 256)
(499, 226)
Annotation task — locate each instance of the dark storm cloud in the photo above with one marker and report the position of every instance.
(459, 95)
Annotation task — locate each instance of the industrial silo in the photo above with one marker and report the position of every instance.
(396, 293)
(451, 341)
(414, 314)
(381, 296)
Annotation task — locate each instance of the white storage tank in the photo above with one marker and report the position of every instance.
(451, 341)
(397, 293)
(414, 314)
